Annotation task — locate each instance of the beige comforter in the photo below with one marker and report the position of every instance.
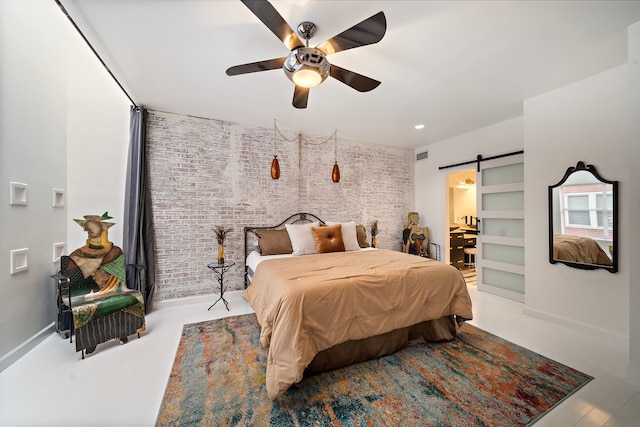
(306, 304)
(579, 249)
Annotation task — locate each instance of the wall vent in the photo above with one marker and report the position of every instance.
(421, 156)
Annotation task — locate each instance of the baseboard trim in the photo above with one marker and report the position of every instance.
(24, 348)
(197, 299)
(604, 334)
(504, 293)
(632, 376)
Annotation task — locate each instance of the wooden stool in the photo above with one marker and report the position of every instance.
(470, 257)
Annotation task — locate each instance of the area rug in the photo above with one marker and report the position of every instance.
(470, 276)
(477, 379)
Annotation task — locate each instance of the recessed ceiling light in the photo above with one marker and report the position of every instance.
(419, 126)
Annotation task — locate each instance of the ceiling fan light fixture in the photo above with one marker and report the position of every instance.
(307, 77)
(364, 33)
(306, 67)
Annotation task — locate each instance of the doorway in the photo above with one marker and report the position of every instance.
(499, 233)
(462, 199)
(462, 221)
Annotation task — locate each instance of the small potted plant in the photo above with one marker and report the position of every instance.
(221, 235)
(373, 229)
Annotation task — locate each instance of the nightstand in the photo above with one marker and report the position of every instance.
(219, 270)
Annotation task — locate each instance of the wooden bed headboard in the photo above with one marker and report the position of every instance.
(250, 237)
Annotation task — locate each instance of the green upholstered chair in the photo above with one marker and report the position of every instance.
(100, 315)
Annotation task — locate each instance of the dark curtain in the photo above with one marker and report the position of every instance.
(139, 238)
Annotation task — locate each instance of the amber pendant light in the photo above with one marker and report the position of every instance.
(335, 173)
(275, 168)
(275, 165)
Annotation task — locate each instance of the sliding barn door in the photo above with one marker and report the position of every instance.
(500, 243)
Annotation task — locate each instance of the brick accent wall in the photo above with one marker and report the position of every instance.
(207, 172)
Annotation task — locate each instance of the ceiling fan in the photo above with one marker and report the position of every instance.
(308, 66)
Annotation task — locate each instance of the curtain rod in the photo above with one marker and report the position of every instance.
(64, 10)
(479, 159)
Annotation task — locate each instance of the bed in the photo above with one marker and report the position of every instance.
(328, 305)
(579, 249)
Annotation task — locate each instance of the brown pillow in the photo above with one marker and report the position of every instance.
(274, 242)
(328, 239)
(362, 236)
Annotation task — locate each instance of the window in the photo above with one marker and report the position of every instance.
(588, 210)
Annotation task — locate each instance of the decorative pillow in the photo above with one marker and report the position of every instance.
(349, 235)
(361, 232)
(274, 242)
(328, 239)
(302, 240)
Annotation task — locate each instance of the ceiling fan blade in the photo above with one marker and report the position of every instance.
(274, 21)
(300, 97)
(253, 67)
(357, 81)
(369, 31)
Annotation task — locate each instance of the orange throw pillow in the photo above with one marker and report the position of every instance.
(328, 239)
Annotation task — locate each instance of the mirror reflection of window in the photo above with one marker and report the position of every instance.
(585, 208)
(582, 220)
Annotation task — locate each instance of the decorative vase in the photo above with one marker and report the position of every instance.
(374, 241)
(220, 254)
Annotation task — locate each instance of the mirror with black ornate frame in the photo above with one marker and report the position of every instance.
(583, 220)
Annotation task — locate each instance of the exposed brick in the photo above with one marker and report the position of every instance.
(207, 172)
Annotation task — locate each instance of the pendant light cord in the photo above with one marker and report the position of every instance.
(335, 173)
(275, 139)
(301, 138)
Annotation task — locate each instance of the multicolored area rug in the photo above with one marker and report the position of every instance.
(477, 379)
(470, 276)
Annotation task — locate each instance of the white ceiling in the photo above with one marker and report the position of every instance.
(453, 66)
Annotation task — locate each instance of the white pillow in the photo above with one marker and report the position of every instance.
(302, 240)
(349, 235)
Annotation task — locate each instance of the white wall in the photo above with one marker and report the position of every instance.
(463, 204)
(431, 184)
(584, 121)
(97, 143)
(589, 121)
(632, 204)
(33, 136)
(53, 97)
